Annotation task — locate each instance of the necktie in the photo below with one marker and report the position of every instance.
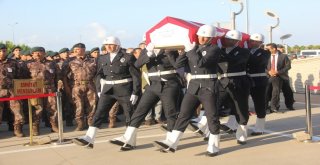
(273, 62)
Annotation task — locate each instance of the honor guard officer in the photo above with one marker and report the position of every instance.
(41, 69)
(78, 80)
(164, 85)
(117, 80)
(232, 67)
(257, 66)
(202, 62)
(9, 70)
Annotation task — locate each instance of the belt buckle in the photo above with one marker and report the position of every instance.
(113, 82)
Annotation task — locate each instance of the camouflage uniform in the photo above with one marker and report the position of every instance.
(47, 71)
(67, 106)
(78, 75)
(9, 70)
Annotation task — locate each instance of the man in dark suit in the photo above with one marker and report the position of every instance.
(277, 69)
(117, 79)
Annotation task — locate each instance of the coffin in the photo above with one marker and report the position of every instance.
(173, 32)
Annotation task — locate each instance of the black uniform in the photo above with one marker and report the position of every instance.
(202, 63)
(232, 67)
(165, 85)
(256, 69)
(121, 68)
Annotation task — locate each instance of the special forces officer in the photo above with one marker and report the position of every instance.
(9, 70)
(41, 69)
(78, 74)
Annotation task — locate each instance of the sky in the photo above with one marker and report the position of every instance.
(55, 24)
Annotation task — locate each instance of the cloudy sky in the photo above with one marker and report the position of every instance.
(61, 23)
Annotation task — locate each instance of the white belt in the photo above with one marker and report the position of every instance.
(258, 75)
(159, 73)
(103, 81)
(233, 74)
(204, 76)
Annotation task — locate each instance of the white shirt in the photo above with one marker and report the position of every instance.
(276, 60)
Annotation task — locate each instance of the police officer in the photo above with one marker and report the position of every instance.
(41, 69)
(78, 80)
(164, 85)
(202, 62)
(9, 70)
(257, 66)
(232, 67)
(117, 80)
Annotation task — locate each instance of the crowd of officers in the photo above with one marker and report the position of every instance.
(204, 74)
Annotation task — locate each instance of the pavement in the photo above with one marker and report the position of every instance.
(276, 146)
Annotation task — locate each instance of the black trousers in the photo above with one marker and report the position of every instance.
(191, 102)
(169, 96)
(273, 89)
(106, 101)
(258, 96)
(237, 95)
(287, 93)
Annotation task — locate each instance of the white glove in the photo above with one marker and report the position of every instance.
(99, 93)
(134, 99)
(189, 46)
(150, 48)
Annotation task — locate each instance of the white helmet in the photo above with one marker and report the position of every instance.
(207, 31)
(234, 34)
(112, 40)
(257, 37)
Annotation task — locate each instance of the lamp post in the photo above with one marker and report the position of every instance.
(273, 15)
(233, 14)
(12, 27)
(286, 36)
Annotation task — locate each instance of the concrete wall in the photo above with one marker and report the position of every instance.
(305, 71)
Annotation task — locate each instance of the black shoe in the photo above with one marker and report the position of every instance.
(291, 108)
(209, 154)
(117, 142)
(126, 147)
(206, 139)
(163, 147)
(256, 133)
(82, 142)
(241, 142)
(227, 129)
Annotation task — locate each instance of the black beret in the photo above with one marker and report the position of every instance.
(63, 50)
(16, 47)
(54, 54)
(79, 45)
(37, 49)
(94, 49)
(3, 46)
(87, 53)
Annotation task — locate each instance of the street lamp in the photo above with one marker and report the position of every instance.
(271, 14)
(233, 14)
(286, 36)
(12, 27)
